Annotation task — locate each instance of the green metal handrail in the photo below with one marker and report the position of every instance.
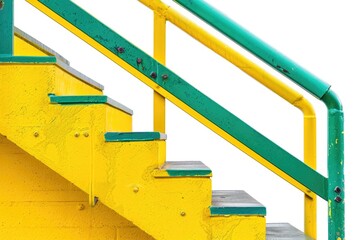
(311, 84)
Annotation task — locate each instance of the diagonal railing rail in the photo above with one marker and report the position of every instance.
(308, 81)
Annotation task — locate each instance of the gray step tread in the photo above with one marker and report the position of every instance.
(235, 202)
(61, 61)
(88, 99)
(284, 231)
(184, 169)
(133, 136)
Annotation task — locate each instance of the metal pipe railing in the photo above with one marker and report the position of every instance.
(156, 80)
(311, 84)
(181, 93)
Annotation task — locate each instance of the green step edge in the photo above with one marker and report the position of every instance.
(133, 136)
(27, 59)
(68, 100)
(88, 99)
(246, 211)
(189, 173)
(184, 169)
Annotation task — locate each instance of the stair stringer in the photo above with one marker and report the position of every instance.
(37, 203)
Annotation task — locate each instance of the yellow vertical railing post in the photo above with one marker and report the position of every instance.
(310, 208)
(310, 160)
(159, 55)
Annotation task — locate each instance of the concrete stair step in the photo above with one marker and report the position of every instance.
(284, 231)
(236, 215)
(184, 169)
(235, 202)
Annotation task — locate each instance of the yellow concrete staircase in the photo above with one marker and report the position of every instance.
(56, 115)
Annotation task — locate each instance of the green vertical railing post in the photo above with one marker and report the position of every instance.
(336, 193)
(6, 27)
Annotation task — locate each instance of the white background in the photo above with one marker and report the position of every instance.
(323, 36)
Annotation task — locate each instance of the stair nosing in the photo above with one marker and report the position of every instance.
(89, 99)
(133, 136)
(235, 202)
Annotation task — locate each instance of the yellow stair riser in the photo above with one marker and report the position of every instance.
(25, 48)
(67, 84)
(37, 203)
(117, 121)
(238, 227)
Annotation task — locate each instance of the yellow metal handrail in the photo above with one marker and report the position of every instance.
(163, 12)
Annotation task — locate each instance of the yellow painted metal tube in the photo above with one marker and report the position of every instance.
(264, 78)
(160, 56)
(310, 199)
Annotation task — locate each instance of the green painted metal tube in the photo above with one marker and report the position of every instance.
(336, 184)
(6, 27)
(27, 59)
(255, 45)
